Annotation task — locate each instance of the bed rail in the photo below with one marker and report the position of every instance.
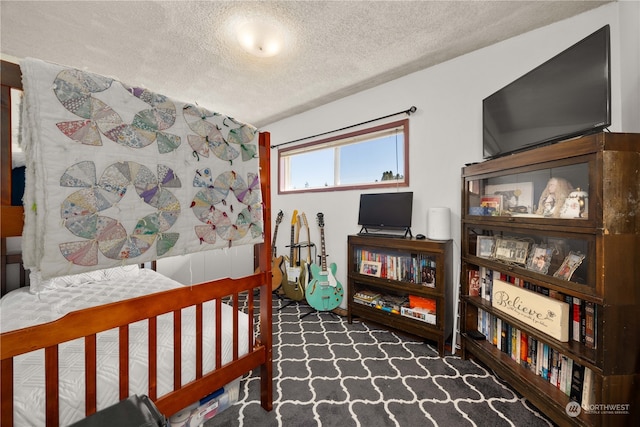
(87, 323)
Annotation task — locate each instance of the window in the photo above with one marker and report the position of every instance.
(374, 157)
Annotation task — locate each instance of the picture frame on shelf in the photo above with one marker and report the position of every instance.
(491, 205)
(485, 246)
(516, 198)
(540, 258)
(511, 250)
(371, 268)
(559, 249)
(569, 265)
(428, 277)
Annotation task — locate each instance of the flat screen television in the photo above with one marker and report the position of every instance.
(567, 96)
(386, 210)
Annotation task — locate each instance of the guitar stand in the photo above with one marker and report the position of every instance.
(313, 310)
(297, 247)
(287, 304)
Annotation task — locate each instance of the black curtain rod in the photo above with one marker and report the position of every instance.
(407, 112)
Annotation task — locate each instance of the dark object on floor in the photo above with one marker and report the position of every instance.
(134, 411)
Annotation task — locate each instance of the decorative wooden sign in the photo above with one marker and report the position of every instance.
(546, 314)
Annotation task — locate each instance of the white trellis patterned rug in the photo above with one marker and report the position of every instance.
(330, 373)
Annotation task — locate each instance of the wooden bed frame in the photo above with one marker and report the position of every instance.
(87, 323)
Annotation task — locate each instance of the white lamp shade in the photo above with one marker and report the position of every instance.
(260, 38)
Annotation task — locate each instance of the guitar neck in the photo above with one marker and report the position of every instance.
(323, 255)
(297, 252)
(273, 242)
(308, 246)
(291, 251)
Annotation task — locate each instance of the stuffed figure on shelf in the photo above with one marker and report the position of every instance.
(553, 197)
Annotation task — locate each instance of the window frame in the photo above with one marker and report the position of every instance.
(282, 154)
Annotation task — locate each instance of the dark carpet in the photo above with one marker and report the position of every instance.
(330, 373)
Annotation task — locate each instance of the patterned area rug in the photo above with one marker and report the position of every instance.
(330, 373)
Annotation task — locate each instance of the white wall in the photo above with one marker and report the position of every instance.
(445, 132)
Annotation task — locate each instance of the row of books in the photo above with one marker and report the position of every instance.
(414, 268)
(404, 306)
(389, 303)
(584, 314)
(573, 379)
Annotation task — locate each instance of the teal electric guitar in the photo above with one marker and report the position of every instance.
(324, 292)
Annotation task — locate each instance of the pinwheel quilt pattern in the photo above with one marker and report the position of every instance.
(117, 174)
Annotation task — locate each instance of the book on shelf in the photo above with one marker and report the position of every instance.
(575, 332)
(569, 300)
(588, 389)
(590, 326)
(545, 362)
(563, 373)
(531, 351)
(367, 297)
(570, 377)
(554, 377)
(486, 278)
(577, 381)
(495, 327)
(420, 308)
(515, 344)
(422, 302)
(419, 313)
(474, 283)
(392, 303)
(524, 347)
(388, 303)
(416, 268)
(359, 301)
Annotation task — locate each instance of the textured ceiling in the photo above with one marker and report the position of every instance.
(188, 49)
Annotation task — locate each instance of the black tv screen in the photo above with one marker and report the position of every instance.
(567, 96)
(386, 210)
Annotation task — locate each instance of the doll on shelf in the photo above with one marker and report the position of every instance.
(553, 197)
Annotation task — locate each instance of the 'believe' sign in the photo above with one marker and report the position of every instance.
(545, 314)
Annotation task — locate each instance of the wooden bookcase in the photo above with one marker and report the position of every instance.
(400, 268)
(602, 230)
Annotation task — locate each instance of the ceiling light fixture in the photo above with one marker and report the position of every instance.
(260, 38)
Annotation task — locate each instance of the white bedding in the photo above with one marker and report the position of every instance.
(21, 308)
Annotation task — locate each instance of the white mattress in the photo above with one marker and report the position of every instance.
(20, 309)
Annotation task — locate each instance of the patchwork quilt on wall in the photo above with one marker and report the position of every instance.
(117, 174)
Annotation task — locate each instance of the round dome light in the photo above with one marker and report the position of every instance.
(260, 38)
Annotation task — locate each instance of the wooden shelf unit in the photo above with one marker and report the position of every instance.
(439, 256)
(607, 167)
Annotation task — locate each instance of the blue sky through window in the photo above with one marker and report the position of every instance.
(360, 163)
